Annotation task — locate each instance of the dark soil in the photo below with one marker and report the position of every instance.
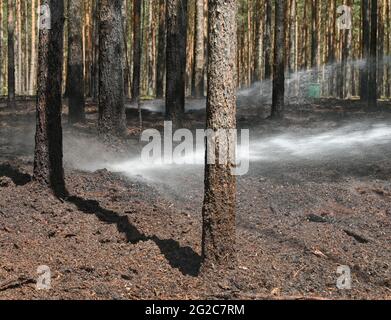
(115, 237)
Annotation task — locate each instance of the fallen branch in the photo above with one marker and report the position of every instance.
(12, 284)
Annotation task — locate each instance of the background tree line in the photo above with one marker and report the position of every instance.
(312, 40)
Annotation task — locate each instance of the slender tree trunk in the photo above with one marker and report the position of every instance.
(331, 44)
(111, 81)
(199, 53)
(176, 61)
(364, 74)
(136, 49)
(75, 62)
(48, 168)
(314, 39)
(219, 225)
(279, 61)
(161, 59)
(1, 47)
(95, 65)
(257, 41)
(11, 53)
(380, 54)
(268, 40)
(305, 36)
(292, 37)
(372, 86)
(19, 48)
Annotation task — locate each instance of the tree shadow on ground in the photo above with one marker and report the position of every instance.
(19, 178)
(183, 258)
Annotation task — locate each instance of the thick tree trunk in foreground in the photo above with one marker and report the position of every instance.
(219, 231)
(48, 169)
(111, 82)
(75, 75)
(161, 58)
(279, 62)
(11, 54)
(199, 51)
(372, 80)
(136, 50)
(176, 60)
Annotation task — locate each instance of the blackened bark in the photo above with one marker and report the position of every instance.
(268, 40)
(136, 50)
(48, 168)
(199, 53)
(11, 54)
(279, 61)
(161, 58)
(75, 62)
(219, 229)
(176, 60)
(111, 81)
(372, 85)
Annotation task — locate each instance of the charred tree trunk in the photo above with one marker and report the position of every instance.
(268, 40)
(199, 53)
(75, 62)
(48, 168)
(279, 61)
(219, 230)
(11, 54)
(136, 50)
(161, 59)
(111, 81)
(372, 85)
(365, 17)
(176, 60)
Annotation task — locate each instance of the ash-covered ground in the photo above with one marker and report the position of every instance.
(317, 196)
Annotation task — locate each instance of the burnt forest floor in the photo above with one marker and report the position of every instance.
(123, 237)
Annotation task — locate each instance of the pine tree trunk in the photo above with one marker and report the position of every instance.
(1, 47)
(292, 37)
(364, 74)
(268, 40)
(75, 62)
(176, 61)
(19, 48)
(331, 44)
(372, 85)
(136, 50)
(314, 39)
(48, 169)
(95, 64)
(257, 41)
(161, 58)
(199, 46)
(11, 54)
(219, 225)
(111, 81)
(380, 72)
(279, 61)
